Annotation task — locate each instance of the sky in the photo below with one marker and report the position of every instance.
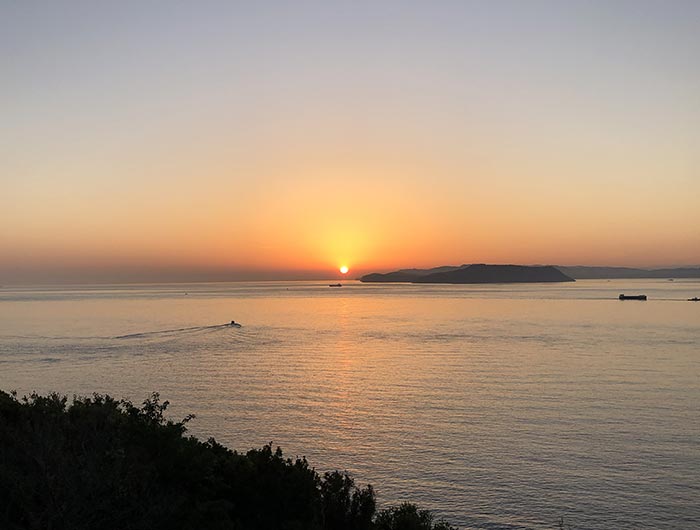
(146, 141)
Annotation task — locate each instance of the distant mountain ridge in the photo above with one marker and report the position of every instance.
(405, 275)
(481, 273)
(475, 273)
(610, 273)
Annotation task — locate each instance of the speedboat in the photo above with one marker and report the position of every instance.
(234, 324)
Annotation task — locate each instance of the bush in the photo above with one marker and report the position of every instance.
(104, 463)
(408, 517)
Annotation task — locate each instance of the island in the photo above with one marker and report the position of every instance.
(474, 273)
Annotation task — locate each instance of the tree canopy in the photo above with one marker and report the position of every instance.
(97, 462)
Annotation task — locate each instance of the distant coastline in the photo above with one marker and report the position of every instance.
(483, 273)
(475, 273)
(580, 272)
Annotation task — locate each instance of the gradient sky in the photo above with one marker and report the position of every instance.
(216, 140)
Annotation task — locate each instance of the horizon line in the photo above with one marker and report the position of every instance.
(94, 278)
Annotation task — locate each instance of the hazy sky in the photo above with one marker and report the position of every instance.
(145, 140)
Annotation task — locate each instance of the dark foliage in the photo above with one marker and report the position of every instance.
(104, 463)
(408, 517)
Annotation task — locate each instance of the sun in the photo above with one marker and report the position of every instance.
(344, 269)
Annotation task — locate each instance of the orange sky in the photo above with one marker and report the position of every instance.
(222, 145)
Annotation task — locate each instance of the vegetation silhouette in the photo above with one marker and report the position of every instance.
(98, 462)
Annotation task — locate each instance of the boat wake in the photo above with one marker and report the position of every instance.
(177, 331)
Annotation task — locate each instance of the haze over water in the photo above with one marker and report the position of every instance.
(500, 407)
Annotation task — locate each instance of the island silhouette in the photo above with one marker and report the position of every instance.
(474, 273)
(483, 273)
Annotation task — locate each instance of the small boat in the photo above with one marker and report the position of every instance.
(234, 324)
(335, 285)
(694, 299)
(633, 297)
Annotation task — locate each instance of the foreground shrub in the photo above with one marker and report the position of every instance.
(408, 517)
(103, 463)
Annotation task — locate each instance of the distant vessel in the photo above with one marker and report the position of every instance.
(633, 297)
(335, 285)
(234, 324)
(694, 299)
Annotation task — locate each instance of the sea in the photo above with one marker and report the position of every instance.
(496, 406)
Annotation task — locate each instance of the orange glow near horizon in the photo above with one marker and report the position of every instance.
(315, 151)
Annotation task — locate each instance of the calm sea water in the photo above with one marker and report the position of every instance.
(500, 407)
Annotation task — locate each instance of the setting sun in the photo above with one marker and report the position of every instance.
(508, 179)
